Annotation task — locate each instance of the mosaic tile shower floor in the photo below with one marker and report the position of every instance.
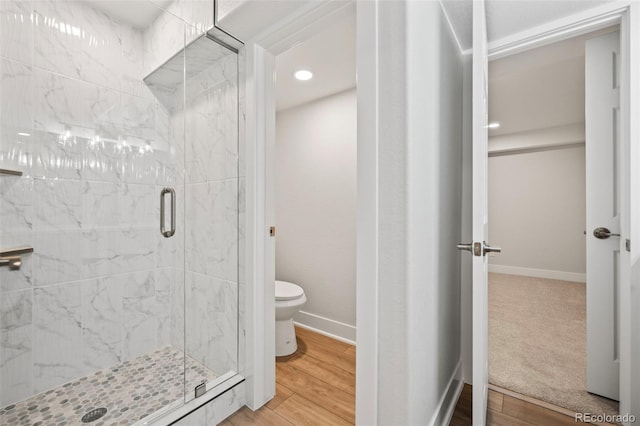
(129, 391)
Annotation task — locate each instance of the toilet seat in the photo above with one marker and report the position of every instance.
(288, 291)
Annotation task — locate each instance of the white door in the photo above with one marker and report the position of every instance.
(602, 105)
(478, 247)
(479, 208)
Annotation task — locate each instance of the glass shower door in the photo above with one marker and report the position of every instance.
(200, 90)
(212, 208)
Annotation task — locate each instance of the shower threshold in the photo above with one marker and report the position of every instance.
(129, 392)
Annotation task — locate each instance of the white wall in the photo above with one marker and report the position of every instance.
(316, 209)
(537, 213)
(409, 213)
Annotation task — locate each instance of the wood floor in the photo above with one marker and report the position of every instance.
(315, 386)
(506, 410)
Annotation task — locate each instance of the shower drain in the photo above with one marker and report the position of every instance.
(94, 415)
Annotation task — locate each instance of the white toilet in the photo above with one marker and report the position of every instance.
(289, 299)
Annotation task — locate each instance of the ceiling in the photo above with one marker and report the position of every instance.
(539, 88)
(139, 14)
(507, 17)
(529, 80)
(330, 55)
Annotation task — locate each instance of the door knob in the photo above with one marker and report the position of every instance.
(479, 249)
(467, 247)
(603, 233)
(488, 249)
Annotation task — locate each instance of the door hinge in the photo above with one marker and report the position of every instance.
(627, 244)
(272, 231)
(201, 389)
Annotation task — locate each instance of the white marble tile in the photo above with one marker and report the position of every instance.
(15, 363)
(57, 347)
(102, 302)
(208, 64)
(138, 248)
(73, 109)
(76, 40)
(161, 40)
(168, 249)
(198, 13)
(162, 129)
(16, 207)
(16, 151)
(139, 324)
(55, 158)
(178, 308)
(177, 146)
(16, 103)
(101, 254)
(222, 316)
(23, 278)
(133, 71)
(58, 257)
(196, 318)
(139, 117)
(211, 245)
(16, 30)
(142, 163)
(103, 161)
(140, 205)
(101, 202)
(211, 322)
(212, 135)
(58, 204)
(167, 83)
(163, 283)
(16, 309)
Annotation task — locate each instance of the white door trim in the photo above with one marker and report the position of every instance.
(367, 298)
(627, 14)
(560, 29)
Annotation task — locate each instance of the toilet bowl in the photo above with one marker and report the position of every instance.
(289, 299)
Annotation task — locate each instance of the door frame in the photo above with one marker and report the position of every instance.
(286, 27)
(627, 14)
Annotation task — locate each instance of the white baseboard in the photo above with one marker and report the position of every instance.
(449, 399)
(539, 273)
(334, 329)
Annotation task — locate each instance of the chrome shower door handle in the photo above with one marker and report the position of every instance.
(172, 230)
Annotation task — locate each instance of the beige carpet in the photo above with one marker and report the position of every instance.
(537, 341)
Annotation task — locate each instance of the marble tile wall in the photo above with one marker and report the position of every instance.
(93, 144)
(96, 147)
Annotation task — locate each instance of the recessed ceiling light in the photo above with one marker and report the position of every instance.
(303, 75)
(494, 125)
(23, 134)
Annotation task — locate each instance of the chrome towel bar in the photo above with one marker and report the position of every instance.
(11, 257)
(10, 172)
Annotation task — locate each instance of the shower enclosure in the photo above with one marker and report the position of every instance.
(121, 202)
